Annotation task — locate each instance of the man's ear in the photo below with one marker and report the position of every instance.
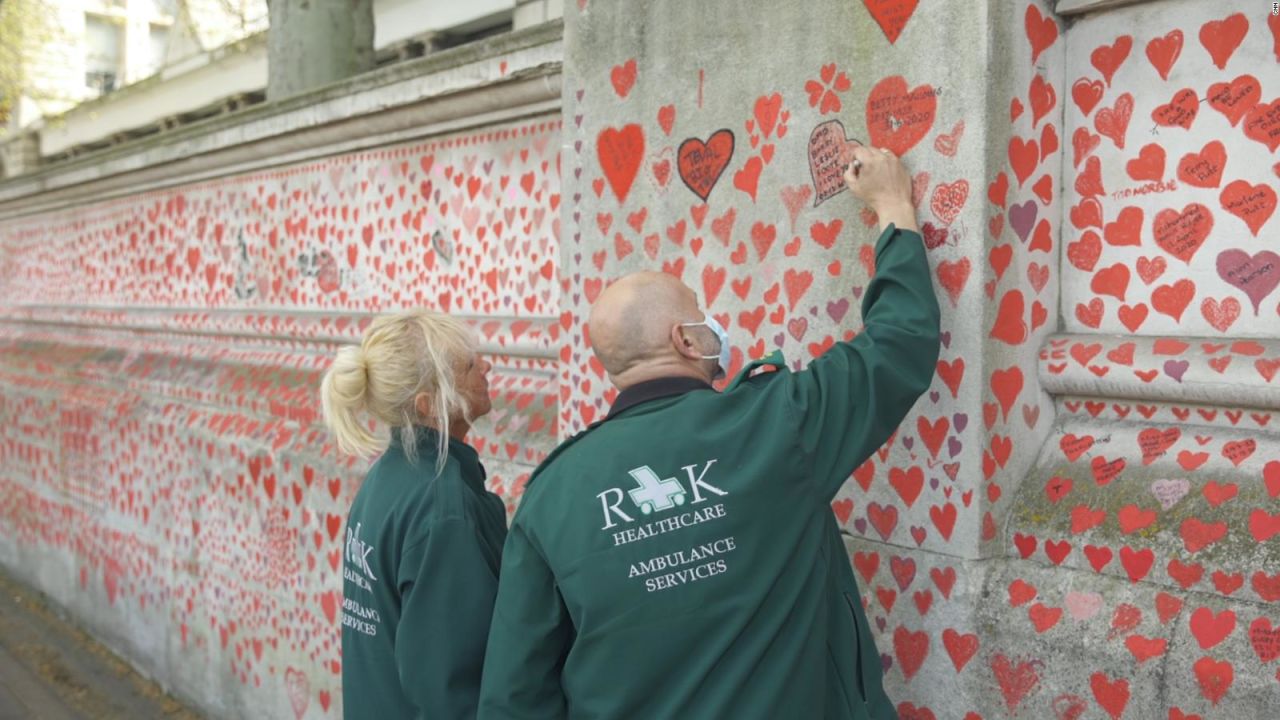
(683, 343)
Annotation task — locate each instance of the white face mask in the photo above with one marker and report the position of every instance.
(721, 358)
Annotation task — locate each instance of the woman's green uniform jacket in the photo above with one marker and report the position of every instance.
(420, 572)
(680, 558)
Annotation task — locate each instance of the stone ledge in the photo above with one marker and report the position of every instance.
(1239, 374)
(1163, 504)
(1004, 637)
(263, 387)
(501, 79)
(528, 337)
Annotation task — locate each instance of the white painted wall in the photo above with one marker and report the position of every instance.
(208, 77)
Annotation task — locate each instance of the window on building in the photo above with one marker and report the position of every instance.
(159, 38)
(104, 41)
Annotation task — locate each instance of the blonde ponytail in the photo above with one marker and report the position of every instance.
(399, 357)
(342, 398)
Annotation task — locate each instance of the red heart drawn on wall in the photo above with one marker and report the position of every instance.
(1016, 681)
(1204, 169)
(949, 199)
(1273, 22)
(1149, 165)
(1108, 58)
(830, 150)
(1043, 97)
(1041, 31)
(1083, 144)
(1211, 628)
(1112, 695)
(1010, 325)
(1179, 112)
(620, 152)
(952, 276)
(701, 164)
(748, 178)
(1215, 678)
(1222, 37)
(960, 647)
(1150, 269)
(666, 118)
(1113, 122)
(891, 15)
(623, 77)
(1264, 638)
(898, 118)
(1163, 52)
(1236, 98)
(1086, 93)
(1182, 233)
(1263, 124)
(1083, 254)
(1089, 182)
(1126, 229)
(1173, 299)
(1112, 281)
(1254, 204)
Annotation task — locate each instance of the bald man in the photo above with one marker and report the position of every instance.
(679, 558)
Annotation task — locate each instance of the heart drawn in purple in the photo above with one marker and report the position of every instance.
(1257, 276)
(960, 421)
(1023, 217)
(954, 446)
(836, 309)
(886, 660)
(1176, 368)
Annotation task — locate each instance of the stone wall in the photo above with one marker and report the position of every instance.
(1080, 519)
(1075, 521)
(164, 475)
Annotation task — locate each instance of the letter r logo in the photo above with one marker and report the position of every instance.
(655, 493)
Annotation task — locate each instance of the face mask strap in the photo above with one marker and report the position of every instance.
(704, 323)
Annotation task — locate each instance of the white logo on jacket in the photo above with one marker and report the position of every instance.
(358, 552)
(656, 494)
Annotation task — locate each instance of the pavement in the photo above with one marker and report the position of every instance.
(52, 670)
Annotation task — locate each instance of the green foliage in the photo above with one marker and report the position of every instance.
(25, 25)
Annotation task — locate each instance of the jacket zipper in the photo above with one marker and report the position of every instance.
(857, 641)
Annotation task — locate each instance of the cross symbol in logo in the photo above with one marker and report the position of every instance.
(655, 493)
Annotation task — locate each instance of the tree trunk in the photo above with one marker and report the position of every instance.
(316, 42)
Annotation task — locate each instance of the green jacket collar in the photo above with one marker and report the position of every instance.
(468, 458)
(653, 390)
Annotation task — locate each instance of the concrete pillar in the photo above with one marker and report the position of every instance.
(535, 12)
(19, 155)
(316, 42)
(994, 588)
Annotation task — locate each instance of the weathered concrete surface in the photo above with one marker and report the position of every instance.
(996, 589)
(313, 43)
(982, 100)
(51, 670)
(163, 472)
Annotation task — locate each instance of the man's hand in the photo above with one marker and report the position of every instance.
(878, 178)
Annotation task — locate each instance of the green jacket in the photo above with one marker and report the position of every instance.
(680, 559)
(420, 572)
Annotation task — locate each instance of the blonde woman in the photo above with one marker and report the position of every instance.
(424, 538)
